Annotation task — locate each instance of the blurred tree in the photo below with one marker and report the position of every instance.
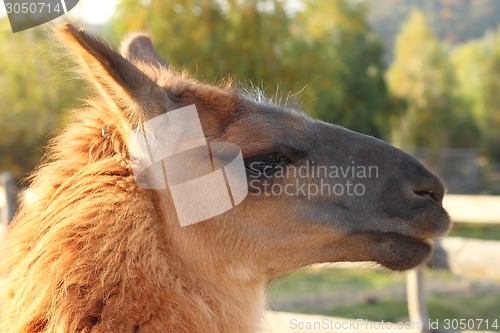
(33, 98)
(345, 60)
(455, 21)
(326, 53)
(423, 76)
(477, 67)
(212, 39)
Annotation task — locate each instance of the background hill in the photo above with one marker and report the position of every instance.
(453, 21)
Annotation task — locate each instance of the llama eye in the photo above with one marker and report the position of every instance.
(264, 163)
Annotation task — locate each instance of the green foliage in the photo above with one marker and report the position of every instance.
(33, 98)
(477, 66)
(326, 54)
(423, 76)
(210, 40)
(452, 21)
(344, 66)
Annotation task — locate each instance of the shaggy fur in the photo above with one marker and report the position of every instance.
(90, 251)
(92, 248)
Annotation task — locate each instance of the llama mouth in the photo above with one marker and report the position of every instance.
(401, 252)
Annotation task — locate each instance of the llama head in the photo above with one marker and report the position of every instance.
(317, 192)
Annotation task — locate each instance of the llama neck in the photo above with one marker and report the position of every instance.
(222, 292)
(217, 303)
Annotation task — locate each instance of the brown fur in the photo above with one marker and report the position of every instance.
(91, 248)
(93, 252)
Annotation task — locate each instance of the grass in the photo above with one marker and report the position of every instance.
(309, 281)
(380, 295)
(479, 306)
(474, 230)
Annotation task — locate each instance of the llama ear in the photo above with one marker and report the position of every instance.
(139, 47)
(115, 77)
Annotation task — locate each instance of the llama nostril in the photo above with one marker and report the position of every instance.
(424, 183)
(430, 187)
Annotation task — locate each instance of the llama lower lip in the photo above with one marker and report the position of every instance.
(401, 252)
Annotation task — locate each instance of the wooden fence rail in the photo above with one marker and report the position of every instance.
(473, 208)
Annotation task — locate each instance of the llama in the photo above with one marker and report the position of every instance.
(95, 252)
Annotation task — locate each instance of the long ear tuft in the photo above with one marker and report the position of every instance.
(138, 47)
(133, 92)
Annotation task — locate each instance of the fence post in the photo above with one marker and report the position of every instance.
(7, 200)
(416, 300)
